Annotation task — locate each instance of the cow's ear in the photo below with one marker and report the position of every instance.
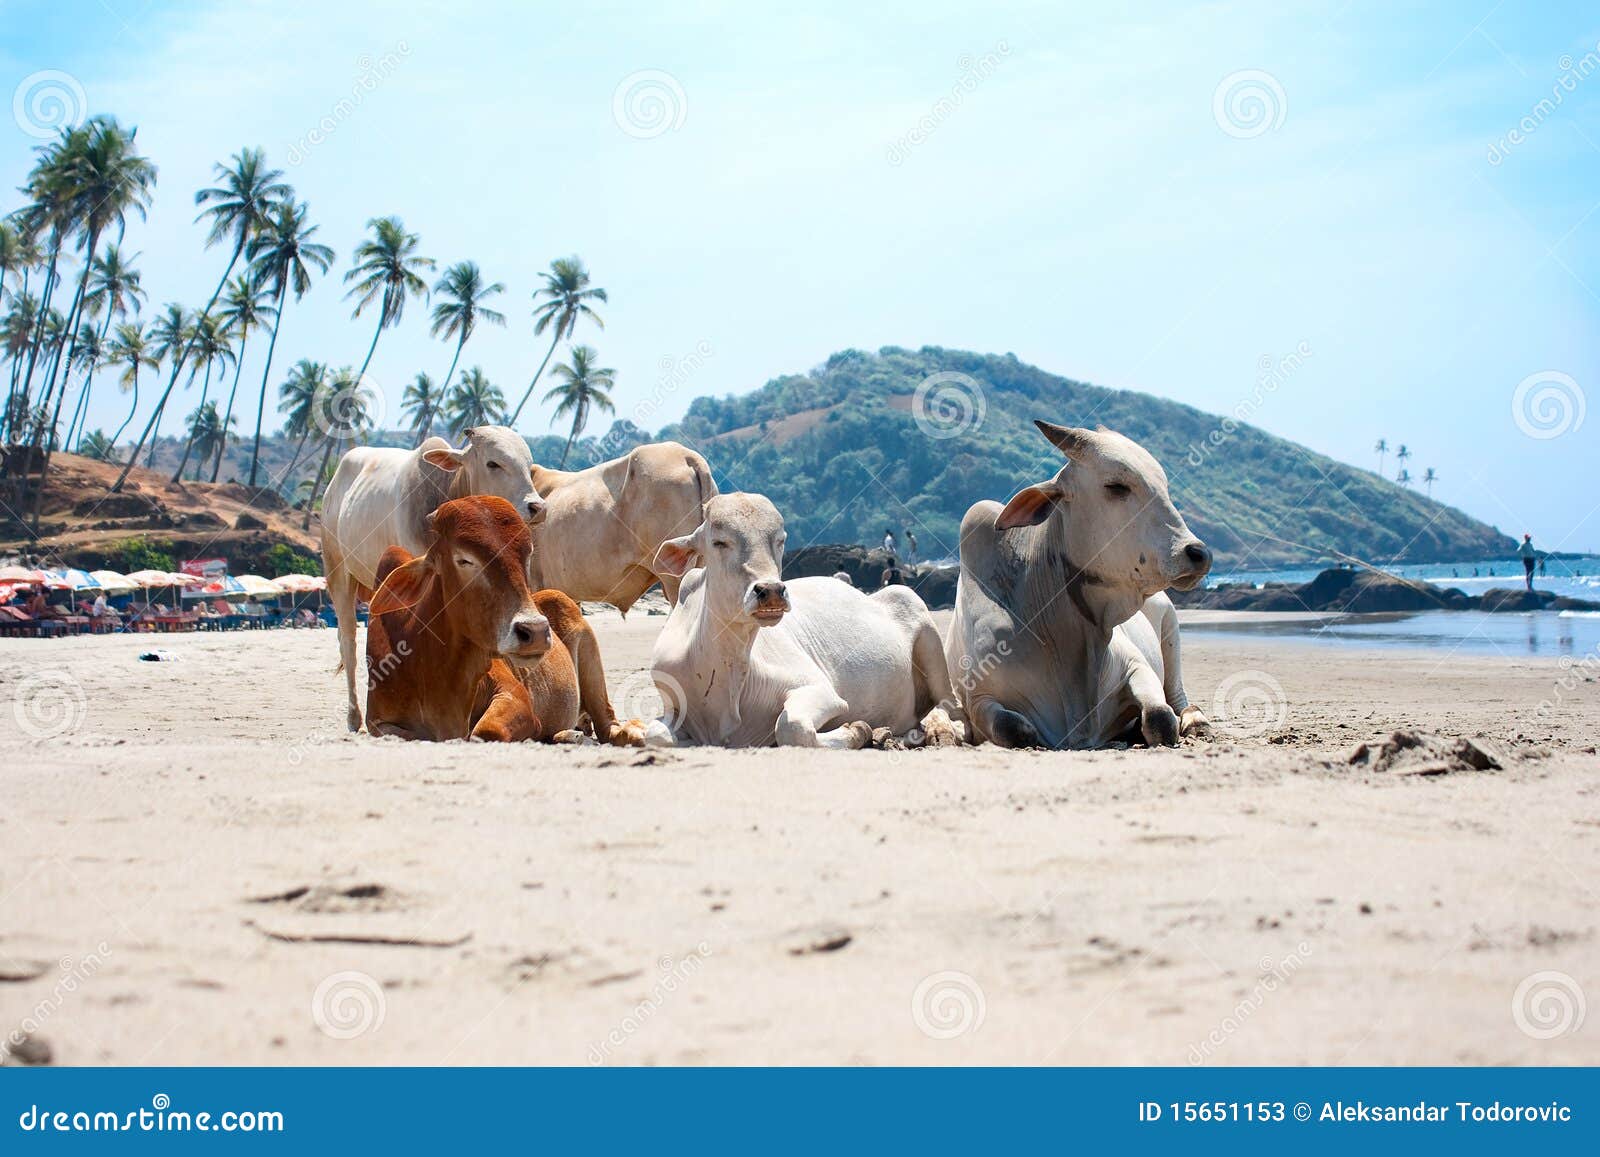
(1029, 507)
(676, 556)
(444, 459)
(1070, 440)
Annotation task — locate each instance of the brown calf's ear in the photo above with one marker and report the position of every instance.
(444, 459)
(1029, 507)
(675, 557)
(1070, 440)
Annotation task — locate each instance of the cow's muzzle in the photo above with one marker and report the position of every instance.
(527, 639)
(533, 510)
(1192, 565)
(767, 601)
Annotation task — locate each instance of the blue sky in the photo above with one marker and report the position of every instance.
(1092, 203)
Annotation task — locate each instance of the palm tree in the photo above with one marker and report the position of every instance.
(557, 306)
(114, 290)
(106, 179)
(1400, 456)
(458, 315)
(206, 432)
(211, 348)
(237, 208)
(584, 385)
(421, 404)
(88, 355)
(386, 266)
(169, 336)
(96, 445)
(21, 326)
(1382, 449)
(346, 414)
(1429, 477)
(1404, 477)
(48, 214)
(476, 401)
(243, 309)
(132, 351)
(298, 400)
(281, 258)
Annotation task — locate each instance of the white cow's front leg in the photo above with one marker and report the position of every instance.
(807, 710)
(1157, 720)
(1003, 727)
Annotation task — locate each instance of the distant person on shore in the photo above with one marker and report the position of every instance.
(888, 541)
(893, 576)
(911, 547)
(844, 577)
(1530, 559)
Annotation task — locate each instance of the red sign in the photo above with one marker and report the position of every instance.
(205, 567)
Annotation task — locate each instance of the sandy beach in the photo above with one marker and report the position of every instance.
(199, 865)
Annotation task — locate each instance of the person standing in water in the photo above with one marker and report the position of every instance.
(911, 547)
(1530, 559)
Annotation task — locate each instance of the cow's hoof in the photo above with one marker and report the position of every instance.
(572, 736)
(1193, 722)
(1160, 726)
(939, 730)
(1012, 730)
(859, 734)
(627, 733)
(352, 719)
(658, 734)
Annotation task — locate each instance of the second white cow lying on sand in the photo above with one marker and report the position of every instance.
(747, 660)
(1061, 636)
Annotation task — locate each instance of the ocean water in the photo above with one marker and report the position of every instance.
(1539, 634)
(1575, 578)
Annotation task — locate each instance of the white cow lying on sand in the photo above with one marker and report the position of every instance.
(381, 497)
(747, 660)
(1061, 635)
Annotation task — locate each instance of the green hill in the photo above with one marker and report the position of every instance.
(843, 455)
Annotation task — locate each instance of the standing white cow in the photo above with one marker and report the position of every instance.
(605, 522)
(381, 497)
(1061, 635)
(747, 660)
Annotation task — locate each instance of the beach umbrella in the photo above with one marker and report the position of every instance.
(301, 584)
(22, 574)
(113, 583)
(221, 586)
(261, 588)
(153, 579)
(72, 579)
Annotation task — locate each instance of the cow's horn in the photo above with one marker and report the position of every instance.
(1068, 439)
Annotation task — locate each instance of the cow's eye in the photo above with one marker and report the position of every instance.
(720, 544)
(1118, 489)
(464, 562)
(494, 466)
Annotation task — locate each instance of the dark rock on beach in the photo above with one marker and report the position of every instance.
(1369, 592)
(936, 584)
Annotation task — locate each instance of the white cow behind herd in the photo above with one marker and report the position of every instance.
(747, 660)
(381, 497)
(1061, 635)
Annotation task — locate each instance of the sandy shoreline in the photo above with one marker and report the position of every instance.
(196, 860)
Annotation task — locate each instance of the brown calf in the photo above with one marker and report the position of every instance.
(459, 647)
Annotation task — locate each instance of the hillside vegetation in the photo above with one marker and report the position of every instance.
(843, 455)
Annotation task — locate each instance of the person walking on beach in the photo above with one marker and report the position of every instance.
(911, 547)
(1530, 558)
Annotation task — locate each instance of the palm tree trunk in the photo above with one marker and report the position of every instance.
(517, 413)
(177, 367)
(444, 390)
(51, 278)
(82, 416)
(132, 410)
(580, 419)
(238, 368)
(177, 475)
(371, 349)
(316, 482)
(261, 403)
(298, 450)
(155, 420)
(71, 348)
